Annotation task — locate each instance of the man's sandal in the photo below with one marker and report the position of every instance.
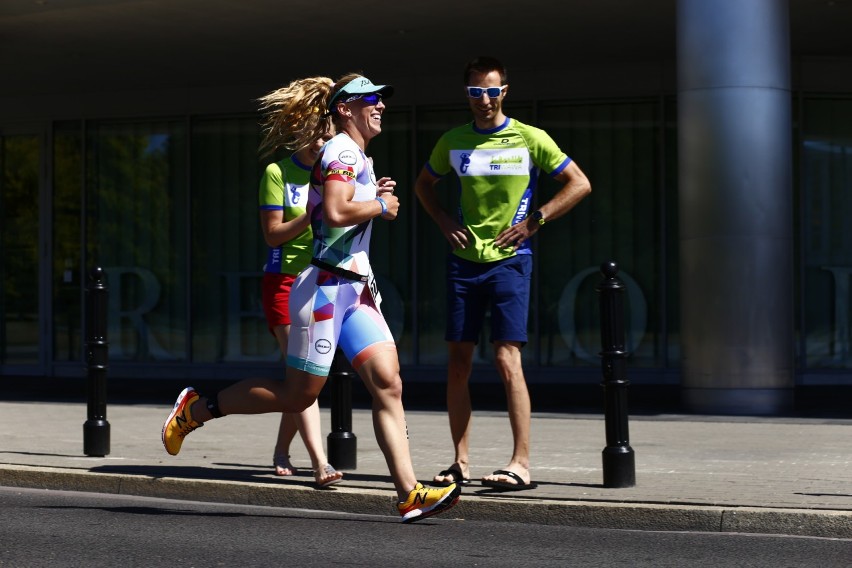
(454, 475)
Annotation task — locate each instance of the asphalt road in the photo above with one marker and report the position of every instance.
(62, 529)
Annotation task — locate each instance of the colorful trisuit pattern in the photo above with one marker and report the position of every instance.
(330, 310)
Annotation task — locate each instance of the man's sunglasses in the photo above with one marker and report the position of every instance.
(492, 92)
(371, 99)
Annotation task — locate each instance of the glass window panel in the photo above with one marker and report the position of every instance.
(67, 208)
(617, 146)
(228, 250)
(390, 247)
(826, 239)
(137, 233)
(430, 245)
(19, 259)
(671, 239)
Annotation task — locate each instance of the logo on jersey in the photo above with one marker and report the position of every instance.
(348, 157)
(323, 346)
(523, 207)
(491, 162)
(503, 163)
(294, 194)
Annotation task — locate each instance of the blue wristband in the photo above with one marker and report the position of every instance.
(383, 204)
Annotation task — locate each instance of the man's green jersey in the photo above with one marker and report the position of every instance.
(498, 171)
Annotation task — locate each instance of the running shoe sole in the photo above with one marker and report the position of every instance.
(178, 406)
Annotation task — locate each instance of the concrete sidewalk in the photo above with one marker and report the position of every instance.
(693, 473)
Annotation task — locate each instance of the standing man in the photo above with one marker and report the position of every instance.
(498, 161)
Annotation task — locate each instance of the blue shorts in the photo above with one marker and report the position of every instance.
(473, 288)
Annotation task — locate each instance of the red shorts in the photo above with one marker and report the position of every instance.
(275, 296)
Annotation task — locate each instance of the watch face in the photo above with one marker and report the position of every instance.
(537, 217)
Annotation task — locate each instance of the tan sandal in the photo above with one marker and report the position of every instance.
(327, 475)
(282, 465)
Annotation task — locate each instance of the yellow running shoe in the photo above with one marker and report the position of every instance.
(424, 502)
(180, 422)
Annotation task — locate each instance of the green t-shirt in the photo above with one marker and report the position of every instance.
(284, 187)
(498, 171)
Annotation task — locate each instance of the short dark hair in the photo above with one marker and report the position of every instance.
(484, 64)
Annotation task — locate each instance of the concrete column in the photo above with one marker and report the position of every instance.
(735, 205)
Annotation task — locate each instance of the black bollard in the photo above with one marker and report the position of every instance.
(342, 443)
(619, 468)
(96, 428)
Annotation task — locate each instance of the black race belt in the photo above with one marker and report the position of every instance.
(348, 274)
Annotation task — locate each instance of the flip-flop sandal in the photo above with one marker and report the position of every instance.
(519, 484)
(328, 471)
(283, 461)
(455, 477)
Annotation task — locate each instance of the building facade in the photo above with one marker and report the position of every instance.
(141, 158)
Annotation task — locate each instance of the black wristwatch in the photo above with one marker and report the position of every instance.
(537, 216)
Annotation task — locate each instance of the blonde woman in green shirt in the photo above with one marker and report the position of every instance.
(283, 199)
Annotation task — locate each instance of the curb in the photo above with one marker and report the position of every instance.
(588, 514)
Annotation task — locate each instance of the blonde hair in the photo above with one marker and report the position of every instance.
(294, 116)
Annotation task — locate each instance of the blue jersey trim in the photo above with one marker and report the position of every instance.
(431, 171)
(491, 130)
(299, 164)
(523, 207)
(271, 207)
(561, 167)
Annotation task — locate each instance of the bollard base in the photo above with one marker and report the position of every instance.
(619, 468)
(96, 438)
(343, 450)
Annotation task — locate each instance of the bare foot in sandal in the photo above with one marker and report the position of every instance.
(453, 474)
(508, 480)
(327, 475)
(282, 464)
